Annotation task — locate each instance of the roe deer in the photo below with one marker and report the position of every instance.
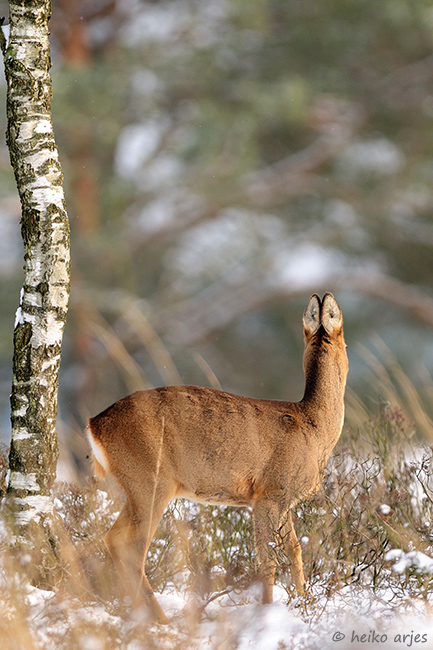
(217, 448)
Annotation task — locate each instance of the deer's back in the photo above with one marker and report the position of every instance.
(217, 446)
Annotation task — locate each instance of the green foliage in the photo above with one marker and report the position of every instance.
(229, 93)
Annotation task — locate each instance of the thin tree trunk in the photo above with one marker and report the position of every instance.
(40, 318)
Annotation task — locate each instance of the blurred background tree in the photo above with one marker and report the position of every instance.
(223, 160)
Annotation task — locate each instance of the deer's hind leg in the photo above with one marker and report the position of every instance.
(128, 541)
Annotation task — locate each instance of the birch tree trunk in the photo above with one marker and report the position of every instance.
(41, 315)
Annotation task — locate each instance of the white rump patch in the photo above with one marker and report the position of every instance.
(97, 450)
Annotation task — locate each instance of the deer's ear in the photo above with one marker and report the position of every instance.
(332, 318)
(311, 317)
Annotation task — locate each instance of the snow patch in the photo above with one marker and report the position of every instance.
(307, 265)
(415, 560)
(19, 320)
(145, 82)
(236, 620)
(377, 156)
(269, 627)
(167, 209)
(136, 144)
(234, 240)
(6, 31)
(157, 25)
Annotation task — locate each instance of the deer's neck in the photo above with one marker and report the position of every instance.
(323, 401)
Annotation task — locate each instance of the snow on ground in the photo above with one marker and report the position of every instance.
(352, 618)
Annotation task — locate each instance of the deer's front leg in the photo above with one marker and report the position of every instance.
(293, 551)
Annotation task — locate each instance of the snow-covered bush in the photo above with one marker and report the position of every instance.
(367, 544)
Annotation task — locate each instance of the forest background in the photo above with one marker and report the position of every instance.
(223, 160)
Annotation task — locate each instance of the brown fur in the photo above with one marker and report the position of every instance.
(216, 447)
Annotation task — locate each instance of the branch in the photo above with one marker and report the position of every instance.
(192, 320)
(294, 176)
(406, 297)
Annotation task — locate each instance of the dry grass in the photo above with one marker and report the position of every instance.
(378, 495)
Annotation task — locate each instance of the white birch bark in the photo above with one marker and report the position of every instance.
(41, 315)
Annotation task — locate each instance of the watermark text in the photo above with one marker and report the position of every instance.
(371, 637)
